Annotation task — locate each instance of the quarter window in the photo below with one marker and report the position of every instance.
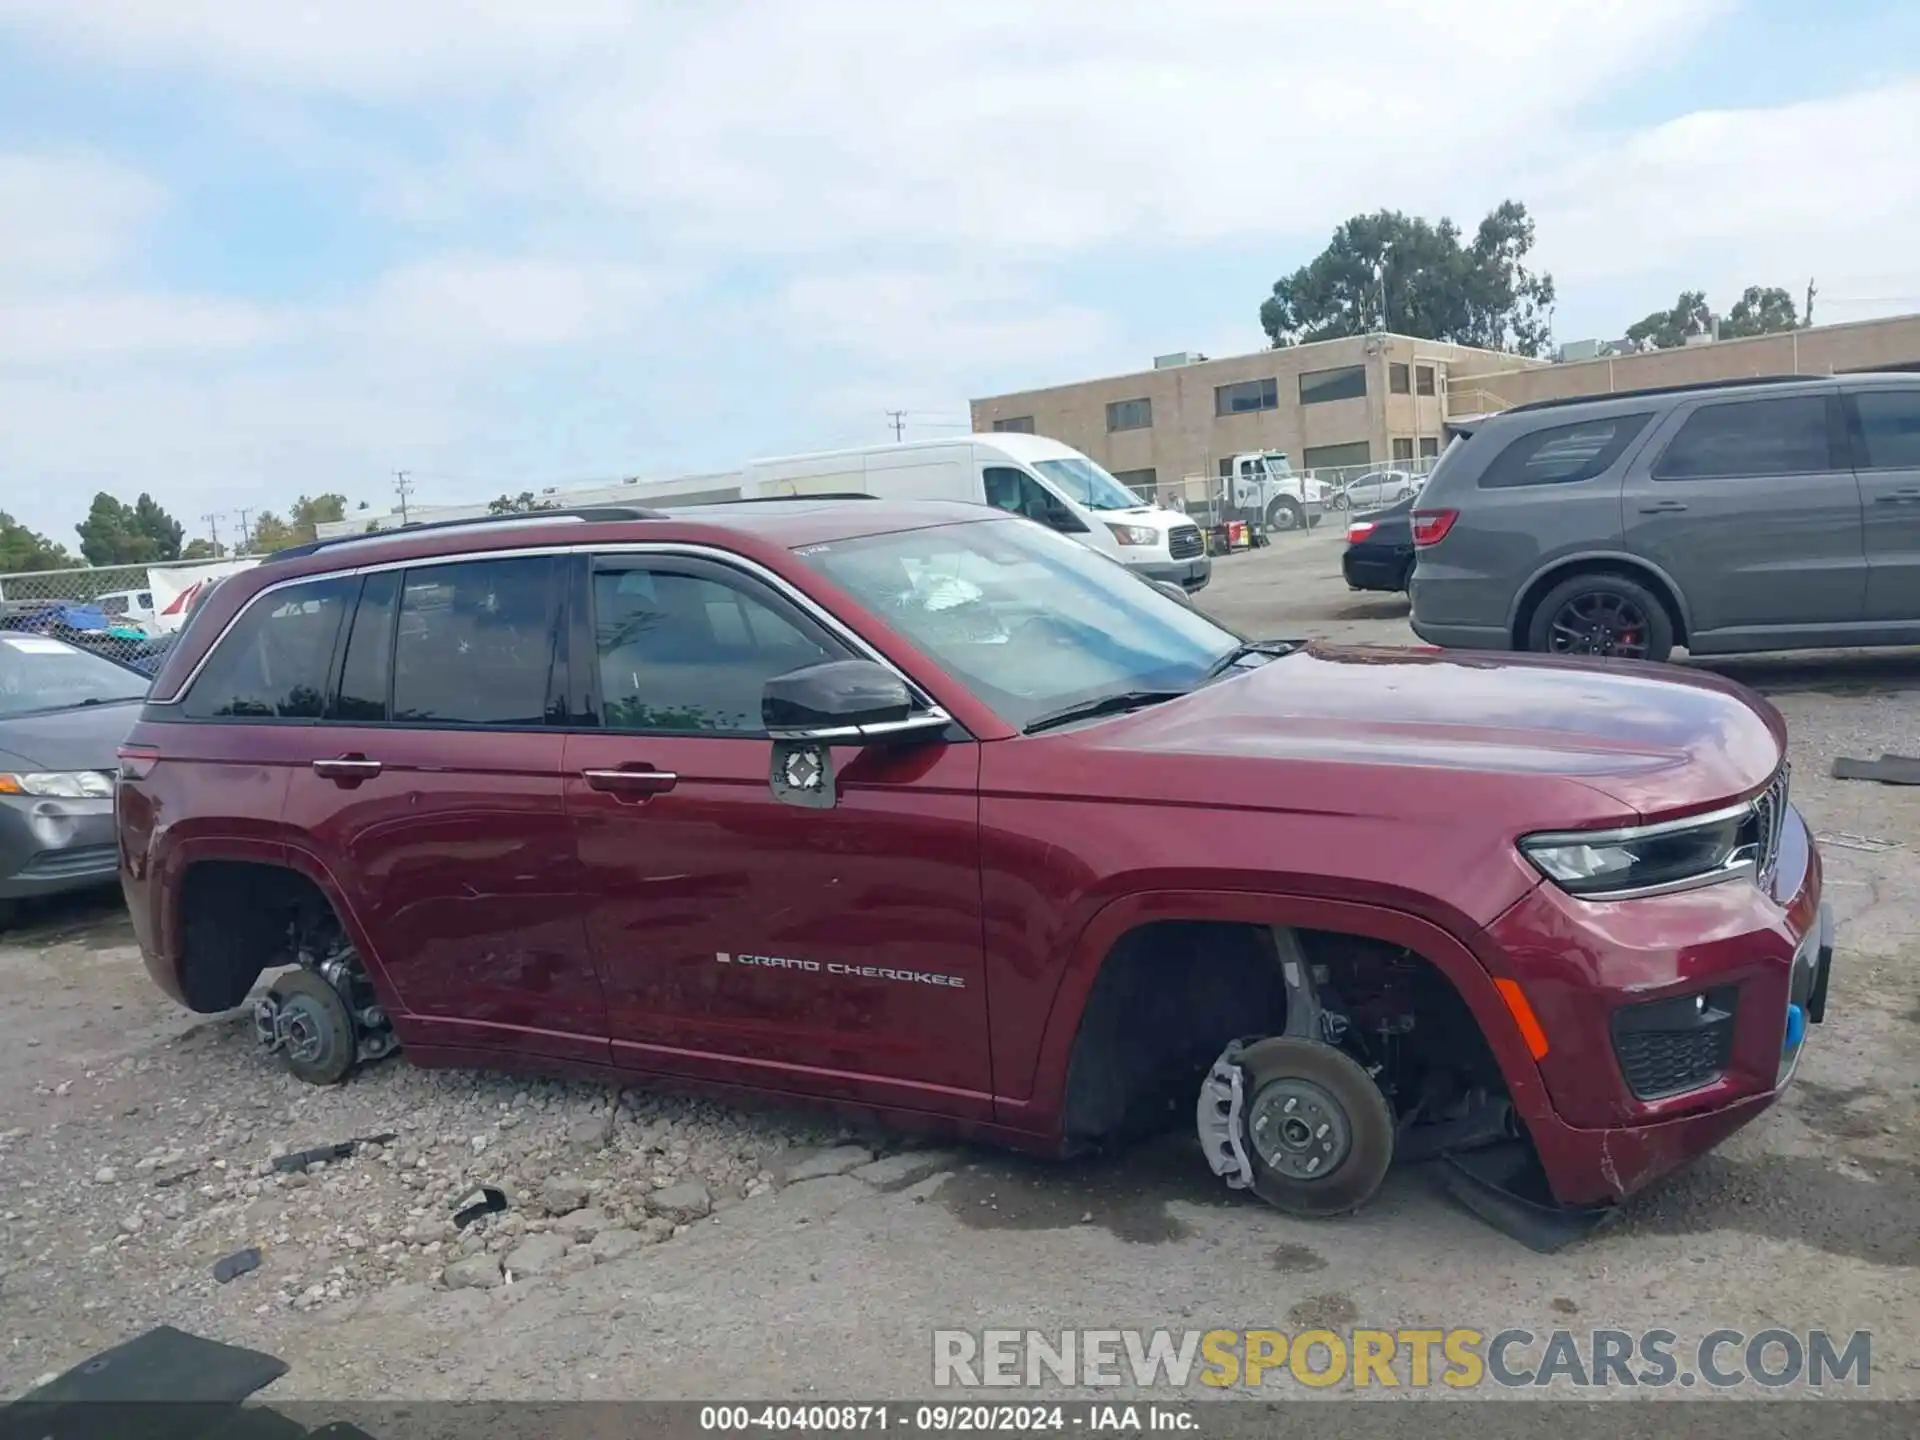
(1563, 454)
(1787, 436)
(1889, 429)
(475, 644)
(681, 653)
(1248, 395)
(273, 663)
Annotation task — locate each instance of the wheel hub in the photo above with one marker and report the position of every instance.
(1299, 1130)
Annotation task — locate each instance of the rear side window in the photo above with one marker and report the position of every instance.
(1889, 429)
(1563, 454)
(1788, 436)
(273, 663)
(475, 643)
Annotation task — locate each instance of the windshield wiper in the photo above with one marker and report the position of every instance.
(1273, 648)
(1104, 705)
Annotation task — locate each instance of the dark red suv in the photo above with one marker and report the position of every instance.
(938, 815)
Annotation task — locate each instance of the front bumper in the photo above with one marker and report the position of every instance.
(49, 846)
(1579, 962)
(1189, 575)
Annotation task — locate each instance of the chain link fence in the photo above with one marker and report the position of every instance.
(1357, 489)
(128, 613)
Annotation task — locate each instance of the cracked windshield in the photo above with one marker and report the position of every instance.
(815, 718)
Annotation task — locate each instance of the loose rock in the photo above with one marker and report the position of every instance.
(476, 1272)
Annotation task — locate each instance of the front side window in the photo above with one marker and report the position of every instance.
(367, 670)
(474, 643)
(1889, 429)
(1018, 493)
(1029, 621)
(39, 673)
(273, 663)
(690, 654)
(1788, 436)
(1563, 454)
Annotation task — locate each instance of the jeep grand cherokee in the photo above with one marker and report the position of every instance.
(934, 814)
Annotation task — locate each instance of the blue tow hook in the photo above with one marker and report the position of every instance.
(1796, 1029)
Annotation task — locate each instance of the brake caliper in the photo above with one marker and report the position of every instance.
(1221, 1117)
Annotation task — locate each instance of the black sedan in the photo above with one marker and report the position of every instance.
(63, 714)
(1380, 549)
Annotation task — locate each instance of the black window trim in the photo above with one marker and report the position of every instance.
(176, 713)
(812, 608)
(1856, 430)
(1840, 452)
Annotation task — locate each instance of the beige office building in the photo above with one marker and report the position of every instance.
(1377, 400)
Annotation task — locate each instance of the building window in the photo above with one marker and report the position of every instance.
(1429, 446)
(1130, 414)
(1318, 387)
(1144, 483)
(1333, 457)
(1403, 449)
(1014, 425)
(1400, 379)
(1423, 379)
(1248, 395)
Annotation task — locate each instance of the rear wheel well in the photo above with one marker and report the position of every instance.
(1171, 995)
(1626, 569)
(237, 918)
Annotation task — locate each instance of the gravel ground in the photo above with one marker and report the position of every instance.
(670, 1247)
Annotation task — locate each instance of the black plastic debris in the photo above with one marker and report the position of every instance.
(232, 1267)
(1888, 769)
(487, 1200)
(298, 1162)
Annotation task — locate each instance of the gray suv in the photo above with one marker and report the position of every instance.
(1754, 515)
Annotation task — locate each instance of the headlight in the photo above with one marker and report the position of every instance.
(58, 784)
(1135, 534)
(1650, 859)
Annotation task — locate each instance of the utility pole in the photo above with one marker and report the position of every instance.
(898, 419)
(213, 529)
(403, 488)
(1807, 323)
(243, 514)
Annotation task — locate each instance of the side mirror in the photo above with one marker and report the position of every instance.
(1065, 521)
(842, 702)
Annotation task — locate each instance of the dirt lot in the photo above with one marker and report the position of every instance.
(667, 1248)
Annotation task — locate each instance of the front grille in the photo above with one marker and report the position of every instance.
(81, 860)
(1184, 542)
(1671, 1046)
(1770, 817)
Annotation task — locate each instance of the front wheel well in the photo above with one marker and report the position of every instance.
(1173, 994)
(237, 919)
(1626, 569)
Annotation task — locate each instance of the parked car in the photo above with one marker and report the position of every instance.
(72, 620)
(1753, 515)
(1379, 554)
(1379, 489)
(63, 713)
(128, 605)
(936, 814)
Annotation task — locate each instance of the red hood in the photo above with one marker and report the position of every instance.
(1561, 741)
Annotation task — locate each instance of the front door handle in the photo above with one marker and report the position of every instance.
(1663, 507)
(346, 769)
(638, 783)
(1899, 497)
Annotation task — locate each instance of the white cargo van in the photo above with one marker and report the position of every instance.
(1023, 474)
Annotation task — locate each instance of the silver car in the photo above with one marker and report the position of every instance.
(1751, 515)
(1379, 489)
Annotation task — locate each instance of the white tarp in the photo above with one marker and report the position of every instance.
(175, 586)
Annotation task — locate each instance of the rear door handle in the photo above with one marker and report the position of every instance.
(347, 769)
(1899, 497)
(632, 785)
(1663, 507)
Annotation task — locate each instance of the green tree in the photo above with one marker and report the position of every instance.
(200, 548)
(517, 504)
(1760, 310)
(24, 549)
(1666, 329)
(157, 525)
(270, 533)
(1391, 271)
(311, 512)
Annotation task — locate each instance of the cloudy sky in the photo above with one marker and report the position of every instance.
(248, 250)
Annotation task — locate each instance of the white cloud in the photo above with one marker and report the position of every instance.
(67, 216)
(486, 303)
(949, 320)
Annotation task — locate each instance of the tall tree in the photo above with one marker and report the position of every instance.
(1665, 329)
(270, 533)
(1760, 310)
(1391, 271)
(311, 512)
(24, 549)
(116, 533)
(157, 525)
